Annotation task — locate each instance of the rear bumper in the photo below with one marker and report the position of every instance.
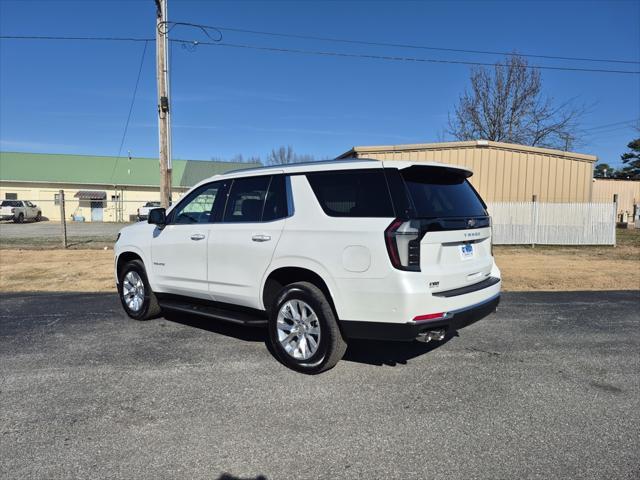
(409, 331)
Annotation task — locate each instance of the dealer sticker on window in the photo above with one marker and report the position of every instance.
(466, 251)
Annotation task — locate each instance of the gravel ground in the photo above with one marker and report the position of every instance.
(10, 230)
(549, 387)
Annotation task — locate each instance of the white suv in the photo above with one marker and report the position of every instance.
(319, 252)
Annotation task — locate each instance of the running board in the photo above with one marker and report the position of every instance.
(215, 311)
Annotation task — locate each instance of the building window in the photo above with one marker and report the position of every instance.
(10, 196)
(56, 199)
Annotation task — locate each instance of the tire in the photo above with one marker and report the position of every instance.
(38, 216)
(146, 305)
(19, 218)
(330, 346)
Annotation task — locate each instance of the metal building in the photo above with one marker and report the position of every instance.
(503, 172)
(628, 192)
(98, 189)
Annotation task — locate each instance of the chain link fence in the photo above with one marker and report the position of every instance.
(95, 210)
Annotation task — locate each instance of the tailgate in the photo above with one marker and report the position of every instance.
(450, 221)
(455, 258)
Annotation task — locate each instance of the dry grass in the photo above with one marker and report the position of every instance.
(523, 268)
(572, 268)
(56, 270)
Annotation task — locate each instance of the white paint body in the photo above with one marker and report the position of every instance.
(349, 254)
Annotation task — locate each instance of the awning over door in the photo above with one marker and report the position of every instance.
(91, 195)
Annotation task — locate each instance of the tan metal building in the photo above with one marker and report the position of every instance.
(628, 192)
(503, 172)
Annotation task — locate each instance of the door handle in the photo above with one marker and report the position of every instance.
(261, 238)
(197, 236)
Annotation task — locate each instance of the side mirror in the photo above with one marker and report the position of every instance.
(157, 216)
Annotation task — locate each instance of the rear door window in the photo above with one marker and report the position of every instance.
(437, 192)
(352, 193)
(275, 205)
(246, 199)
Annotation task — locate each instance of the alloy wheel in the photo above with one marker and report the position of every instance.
(298, 329)
(133, 291)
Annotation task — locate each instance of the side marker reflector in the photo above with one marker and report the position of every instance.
(430, 316)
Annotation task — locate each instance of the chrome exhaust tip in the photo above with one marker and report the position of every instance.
(424, 337)
(427, 336)
(439, 334)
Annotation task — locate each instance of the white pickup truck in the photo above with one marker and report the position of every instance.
(143, 212)
(19, 211)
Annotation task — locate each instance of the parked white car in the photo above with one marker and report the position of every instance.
(19, 211)
(320, 253)
(143, 212)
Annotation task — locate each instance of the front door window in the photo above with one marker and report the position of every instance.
(199, 207)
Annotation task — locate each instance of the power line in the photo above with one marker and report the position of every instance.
(195, 43)
(96, 39)
(391, 57)
(133, 100)
(624, 122)
(165, 27)
(218, 29)
(603, 133)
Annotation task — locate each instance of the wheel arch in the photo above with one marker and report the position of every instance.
(126, 254)
(124, 258)
(279, 277)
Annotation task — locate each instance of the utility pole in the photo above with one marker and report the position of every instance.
(164, 116)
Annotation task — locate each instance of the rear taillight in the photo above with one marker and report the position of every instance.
(402, 238)
(491, 239)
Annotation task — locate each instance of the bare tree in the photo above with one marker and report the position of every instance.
(280, 156)
(285, 155)
(239, 158)
(506, 104)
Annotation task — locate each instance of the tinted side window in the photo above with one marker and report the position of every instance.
(246, 199)
(352, 193)
(198, 207)
(275, 206)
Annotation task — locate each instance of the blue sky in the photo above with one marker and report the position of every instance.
(68, 97)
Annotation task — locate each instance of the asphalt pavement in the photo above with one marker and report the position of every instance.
(549, 387)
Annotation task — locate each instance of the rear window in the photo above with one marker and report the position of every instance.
(436, 192)
(352, 193)
(10, 203)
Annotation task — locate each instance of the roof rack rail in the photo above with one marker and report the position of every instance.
(301, 164)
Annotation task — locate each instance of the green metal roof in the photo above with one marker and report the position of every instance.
(95, 170)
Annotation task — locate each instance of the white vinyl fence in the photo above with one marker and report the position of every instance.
(553, 223)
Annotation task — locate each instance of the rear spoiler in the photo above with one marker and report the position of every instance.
(401, 165)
